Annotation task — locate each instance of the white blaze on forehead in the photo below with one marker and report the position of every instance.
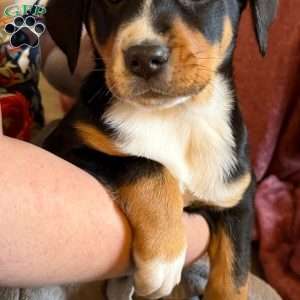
(137, 30)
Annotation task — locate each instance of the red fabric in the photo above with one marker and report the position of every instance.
(269, 90)
(17, 120)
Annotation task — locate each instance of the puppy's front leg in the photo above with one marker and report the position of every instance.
(154, 206)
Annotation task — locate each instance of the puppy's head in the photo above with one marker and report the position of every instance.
(156, 52)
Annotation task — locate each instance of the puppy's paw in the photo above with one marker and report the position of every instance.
(156, 278)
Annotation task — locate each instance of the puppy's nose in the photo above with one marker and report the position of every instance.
(146, 61)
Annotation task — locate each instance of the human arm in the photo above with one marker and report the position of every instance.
(58, 224)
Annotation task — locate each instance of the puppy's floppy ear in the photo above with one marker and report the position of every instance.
(264, 12)
(64, 20)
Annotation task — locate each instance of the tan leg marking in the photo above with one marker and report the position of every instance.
(221, 285)
(154, 208)
(96, 139)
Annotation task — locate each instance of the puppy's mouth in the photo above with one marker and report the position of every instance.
(158, 98)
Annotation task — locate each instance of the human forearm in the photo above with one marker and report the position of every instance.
(58, 225)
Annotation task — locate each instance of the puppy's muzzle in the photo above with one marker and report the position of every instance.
(146, 60)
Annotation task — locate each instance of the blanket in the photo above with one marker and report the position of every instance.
(269, 89)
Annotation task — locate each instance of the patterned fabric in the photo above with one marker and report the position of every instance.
(19, 73)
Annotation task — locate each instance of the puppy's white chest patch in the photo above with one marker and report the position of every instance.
(193, 140)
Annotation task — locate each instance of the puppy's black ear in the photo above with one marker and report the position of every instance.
(264, 12)
(64, 20)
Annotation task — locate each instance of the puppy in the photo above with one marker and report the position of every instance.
(159, 125)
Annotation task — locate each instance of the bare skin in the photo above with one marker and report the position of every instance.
(58, 225)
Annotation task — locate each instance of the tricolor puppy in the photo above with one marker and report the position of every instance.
(158, 124)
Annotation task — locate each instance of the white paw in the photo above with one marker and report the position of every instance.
(157, 278)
